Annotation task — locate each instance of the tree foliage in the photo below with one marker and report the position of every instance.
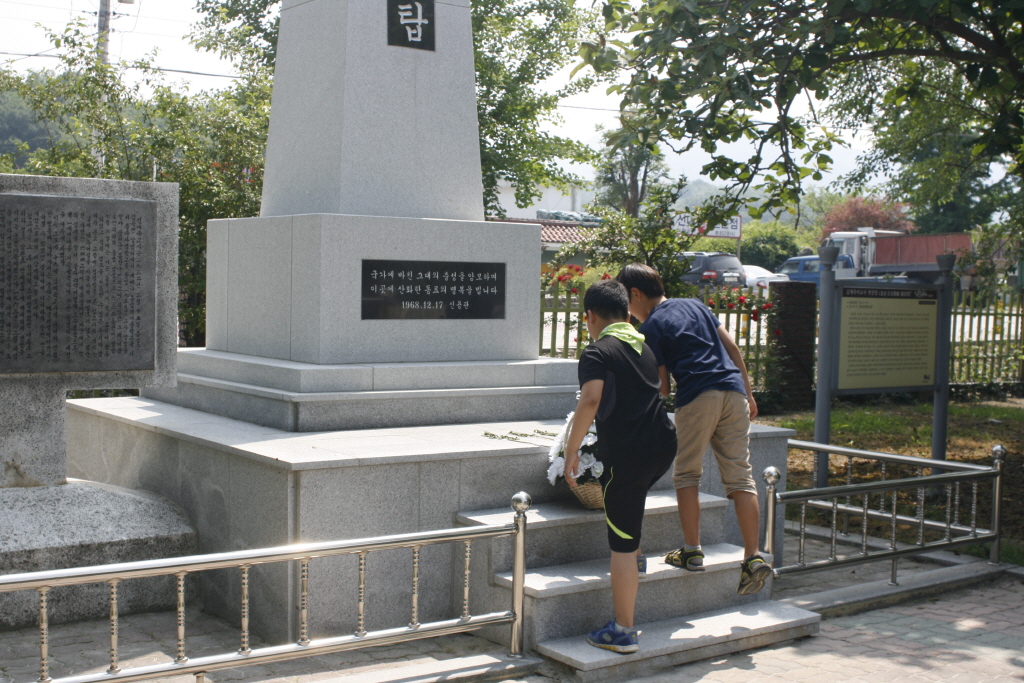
(867, 212)
(519, 45)
(649, 238)
(104, 124)
(710, 72)
(627, 169)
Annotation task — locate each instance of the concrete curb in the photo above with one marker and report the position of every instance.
(878, 594)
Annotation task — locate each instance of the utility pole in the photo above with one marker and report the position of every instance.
(103, 31)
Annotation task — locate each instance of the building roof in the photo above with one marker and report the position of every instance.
(551, 231)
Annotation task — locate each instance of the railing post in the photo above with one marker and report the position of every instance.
(944, 343)
(521, 502)
(771, 476)
(826, 351)
(998, 455)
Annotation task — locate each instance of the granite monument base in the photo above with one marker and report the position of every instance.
(303, 397)
(252, 486)
(80, 524)
(318, 289)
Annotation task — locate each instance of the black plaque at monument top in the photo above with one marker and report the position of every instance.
(77, 284)
(440, 290)
(411, 23)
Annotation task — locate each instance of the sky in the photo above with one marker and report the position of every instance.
(147, 25)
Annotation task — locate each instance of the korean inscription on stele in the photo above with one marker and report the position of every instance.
(440, 290)
(77, 284)
(411, 23)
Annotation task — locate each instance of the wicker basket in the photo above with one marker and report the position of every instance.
(590, 495)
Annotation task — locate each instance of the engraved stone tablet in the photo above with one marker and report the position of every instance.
(432, 289)
(77, 284)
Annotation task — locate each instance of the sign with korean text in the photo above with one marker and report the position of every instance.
(411, 23)
(77, 284)
(732, 229)
(887, 337)
(439, 290)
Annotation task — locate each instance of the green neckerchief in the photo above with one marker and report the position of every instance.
(626, 333)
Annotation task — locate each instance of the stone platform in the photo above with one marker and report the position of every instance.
(302, 397)
(81, 524)
(252, 486)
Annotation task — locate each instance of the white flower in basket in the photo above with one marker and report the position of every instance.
(590, 468)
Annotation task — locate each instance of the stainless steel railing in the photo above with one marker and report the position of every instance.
(180, 567)
(952, 476)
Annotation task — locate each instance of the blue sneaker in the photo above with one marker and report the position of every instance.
(607, 638)
(641, 565)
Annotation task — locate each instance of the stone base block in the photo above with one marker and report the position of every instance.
(305, 397)
(81, 524)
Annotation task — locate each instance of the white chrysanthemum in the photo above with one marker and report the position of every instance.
(598, 469)
(556, 469)
(560, 439)
(590, 439)
(587, 461)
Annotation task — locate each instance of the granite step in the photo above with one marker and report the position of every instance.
(561, 533)
(671, 642)
(575, 598)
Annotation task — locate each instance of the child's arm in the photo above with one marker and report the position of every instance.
(586, 411)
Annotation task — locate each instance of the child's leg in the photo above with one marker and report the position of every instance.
(625, 583)
(688, 500)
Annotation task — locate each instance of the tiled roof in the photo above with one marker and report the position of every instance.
(553, 232)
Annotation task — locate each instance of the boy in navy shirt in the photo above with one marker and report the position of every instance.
(636, 442)
(714, 404)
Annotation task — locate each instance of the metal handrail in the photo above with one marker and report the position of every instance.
(796, 444)
(180, 567)
(827, 498)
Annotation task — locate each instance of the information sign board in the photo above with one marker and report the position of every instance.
(887, 337)
(732, 229)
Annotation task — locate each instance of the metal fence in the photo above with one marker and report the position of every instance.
(181, 567)
(988, 338)
(879, 500)
(563, 333)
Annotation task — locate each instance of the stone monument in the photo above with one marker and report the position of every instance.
(371, 292)
(88, 282)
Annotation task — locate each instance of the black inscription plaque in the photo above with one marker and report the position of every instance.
(411, 23)
(77, 284)
(452, 290)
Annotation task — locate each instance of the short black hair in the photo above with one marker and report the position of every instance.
(609, 299)
(642, 277)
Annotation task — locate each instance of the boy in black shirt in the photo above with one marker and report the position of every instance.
(636, 442)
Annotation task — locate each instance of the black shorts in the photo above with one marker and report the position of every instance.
(626, 480)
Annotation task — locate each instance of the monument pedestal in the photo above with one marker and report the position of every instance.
(303, 397)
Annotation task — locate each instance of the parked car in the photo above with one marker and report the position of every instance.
(808, 268)
(756, 276)
(714, 268)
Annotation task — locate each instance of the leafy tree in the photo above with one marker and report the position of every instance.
(867, 212)
(649, 238)
(768, 244)
(20, 132)
(924, 148)
(102, 126)
(709, 72)
(627, 169)
(519, 45)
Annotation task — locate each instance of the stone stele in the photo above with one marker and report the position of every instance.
(89, 300)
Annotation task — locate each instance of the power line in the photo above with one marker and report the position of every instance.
(65, 9)
(156, 68)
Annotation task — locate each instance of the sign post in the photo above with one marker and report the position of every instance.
(826, 353)
(944, 342)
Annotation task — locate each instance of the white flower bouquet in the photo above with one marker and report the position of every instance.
(588, 472)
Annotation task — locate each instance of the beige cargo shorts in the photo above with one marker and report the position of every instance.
(721, 418)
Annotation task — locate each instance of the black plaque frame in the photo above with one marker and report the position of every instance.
(432, 290)
(411, 24)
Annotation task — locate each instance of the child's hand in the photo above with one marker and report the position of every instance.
(572, 462)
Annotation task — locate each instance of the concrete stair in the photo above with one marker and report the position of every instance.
(685, 639)
(684, 615)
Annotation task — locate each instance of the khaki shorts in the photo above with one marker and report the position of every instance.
(721, 418)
